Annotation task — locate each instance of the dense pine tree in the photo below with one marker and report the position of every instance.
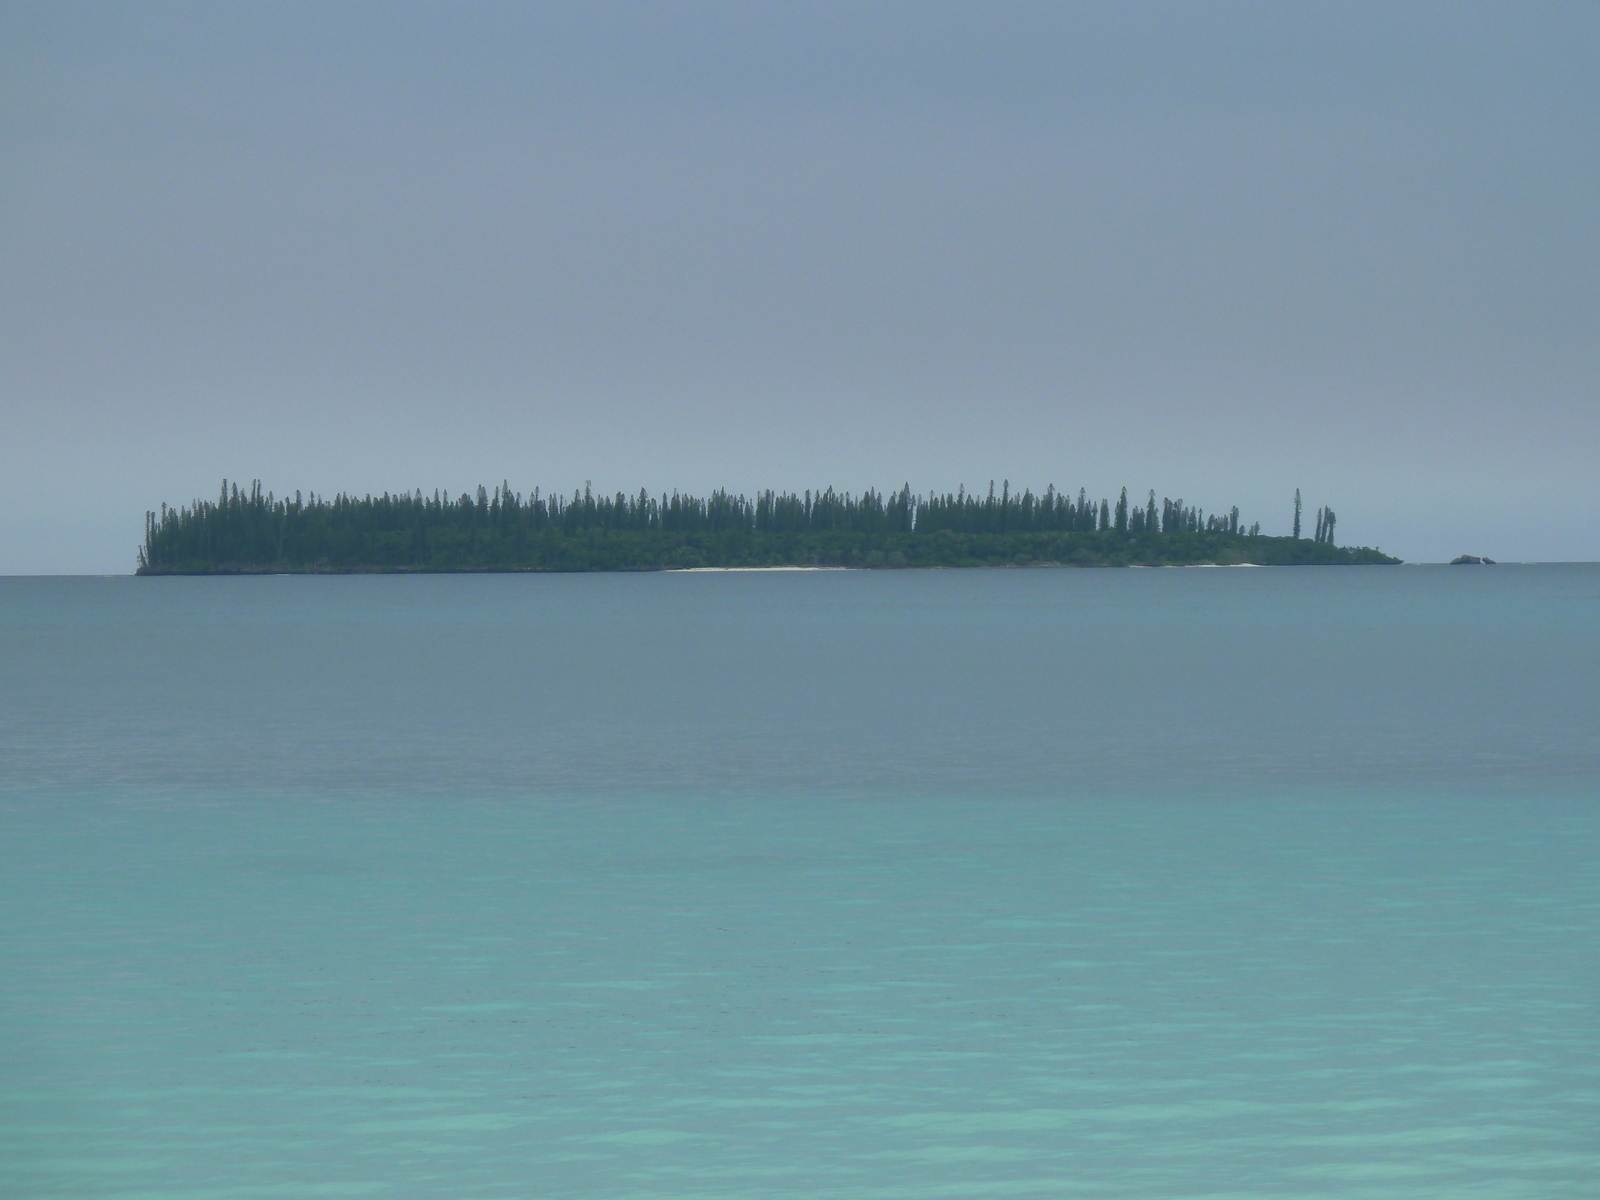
(252, 530)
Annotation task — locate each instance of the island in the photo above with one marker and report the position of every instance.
(254, 532)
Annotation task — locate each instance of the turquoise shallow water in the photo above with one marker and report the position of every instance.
(1112, 883)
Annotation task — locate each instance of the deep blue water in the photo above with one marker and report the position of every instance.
(1273, 882)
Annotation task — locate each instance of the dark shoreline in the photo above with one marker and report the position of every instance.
(599, 551)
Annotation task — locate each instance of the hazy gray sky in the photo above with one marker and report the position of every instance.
(1221, 250)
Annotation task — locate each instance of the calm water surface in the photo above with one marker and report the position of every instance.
(920, 884)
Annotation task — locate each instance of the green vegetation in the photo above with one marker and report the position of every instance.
(253, 532)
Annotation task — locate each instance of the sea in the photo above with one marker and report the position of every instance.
(873, 885)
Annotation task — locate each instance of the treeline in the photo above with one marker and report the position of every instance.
(252, 530)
